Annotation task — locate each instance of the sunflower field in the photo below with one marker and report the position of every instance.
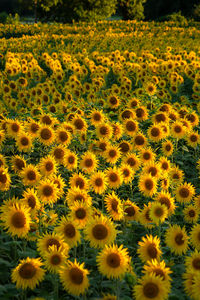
(100, 161)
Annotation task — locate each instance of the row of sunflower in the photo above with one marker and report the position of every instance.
(99, 172)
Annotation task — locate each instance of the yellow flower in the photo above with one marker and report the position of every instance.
(176, 239)
(149, 248)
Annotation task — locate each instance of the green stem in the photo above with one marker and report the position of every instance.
(56, 283)
(118, 289)
(23, 295)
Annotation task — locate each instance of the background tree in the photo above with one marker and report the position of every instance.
(132, 9)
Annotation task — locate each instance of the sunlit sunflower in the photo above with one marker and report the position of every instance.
(96, 117)
(46, 119)
(62, 136)
(32, 128)
(127, 173)
(113, 261)
(51, 239)
(192, 262)
(177, 129)
(78, 180)
(16, 218)
(191, 215)
(68, 229)
(131, 211)
(114, 177)
(185, 192)
(155, 132)
(130, 127)
(144, 217)
(149, 248)
(195, 236)
(70, 160)
(14, 128)
(80, 213)
(166, 199)
(147, 155)
(141, 113)
(151, 287)
(5, 179)
(28, 273)
(188, 281)
(58, 153)
(126, 114)
(114, 206)
(118, 130)
(113, 101)
(30, 199)
(88, 162)
(104, 130)
(112, 154)
(100, 231)
(176, 175)
(158, 212)
(164, 165)
(160, 117)
(55, 258)
(98, 182)
(125, 147)
(79, 124)
(47, 191)
(193, 139)
(147, 185)
(23, 142)
(59, 183)
(46, 135)
(18, 163)
(139, 141)
(132, 160)
(30, 175)
(159, 269)
(153, 169)
(150, 88)
(47, 165)
(176, 239)
(78, 195)
(74, 278)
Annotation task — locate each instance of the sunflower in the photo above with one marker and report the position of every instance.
(133, 103)
(100, 231)
(195, 287)
(127, 173)
(147, 155)
(131, 211)
(176, 239)
(144, 217)
(155, 132)
(176, 175)
(196, 201)
(141, 113)
(113, 101)
(96, 117)
(139, 141)
(32, 128)
(79, 124)
(68, 229)
(114, 206)
(18, 163)
(112, 154)
(118, 130)
(151, 287)
(70, 160)
(5, 179)
(191, 215)
(114, 177)
(177, 129)
(47, 165)
(88, 162)
(130, 127)
(46, 135)
(2, 136)
(59, 182)
(149, 248)
(78, 180)
(16, 218)
(195, 236)
(193, 139)
(59, 153)
(132, 160)
(193, 118)
(28, 273)
(159, 269)
(152, 169)
(78, 195)
(104, 131)
(125, 147)
(23, 142)
(185, 192)
(62, 136)
(150, 88)
(160, 117)
(147, 185)
(54, 259)
(14, 128)
(98, 182)
(192, 262)
(113, 261)
(127, 114)
(47, 191)
(158, 212)
(109, 297)
(30, 199)
(188, 283)
(46, 119)
(2, 161)
(74, 278)
(166, 199)
(80, 213)
(51, 239)
(164, 165)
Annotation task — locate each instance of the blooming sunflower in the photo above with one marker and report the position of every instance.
(59, 183)
(195, 236)
(132, 160)
(147, 155)
(113, 261)
(14, 128)
(28, 273)
(78, 195)
(30, 199)
(164, 165)
(68, 229)
(118, 130)
(58, 153)
(150, 88)
(16, 218)
(176, 239)
(70, 160)
(114, 206)
(191, 215)
(185, 192)
(147, 185)
(159, 269)
(74, 278)
(100, 231)
(141, 113)
(78, 180)
(177, 129)
(166, 199)
(125, 147)
(176, 175)
(98, 182)
(62, 136)
(131, 211)
(192, 262)
(30, 175)
(47, 165)
(158, 212)
(144, 217)
(54, 259)
(130, 127)
(149, 248)
(79, 123)
(80, 213)
(127, 173)
(96, 117)
(151, 287)
(5, 180)
(114, 177)
(139, 140)
(47, 191)
(32, 128)
(24, 142)
(88, 162)
(112, 154)
(46, 135)
(153, 169)
(104, 131)
(155, 132)
(18, 163)
(193, 139)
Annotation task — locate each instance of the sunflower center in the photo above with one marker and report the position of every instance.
(79, 124)
(58, 153)
(27, 271)
(69, 231)
(3, 177)
(49, 166)
(126, 114)
(99, 232)
(147, 216)
(31, 175)
(149, 184)
(45, 134)
(146, 156)
(55, 259)
(113, 100)
(97, 117)
(160, 118)
(184, 192)
(192, 213)
(18, 220)
(102, 146)
(193, 138)
(130, 211)
(153, 171)
(31, 201)
(103, 130)
(155, 132)
(179, 239)
(152, 251)
(81, 213)
(168, 147)
(114, 205)
(51, 242)
(79, 198)
(159, 272)
(24, 141)
(150, 290)
(166, 201)
(159, 212)
(165, 166)
(88, 162)
(126, 172)
(15, 127)
(76, 276)
(113, 260)
(131, 161)
(130, 126)
(139, 140)
(139, 112)
(124, 147)
(177, 129)
(113, 177)
(98, 182)
(80, 183)
(196, 263)
(71, 159)
(47, 190)
(112, 153)
(19, 163)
